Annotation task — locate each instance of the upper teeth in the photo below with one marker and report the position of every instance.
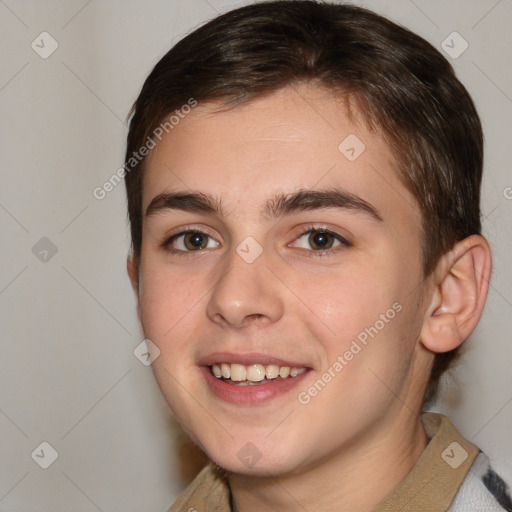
(253, 372)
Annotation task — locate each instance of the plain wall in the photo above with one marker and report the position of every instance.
(68, 375)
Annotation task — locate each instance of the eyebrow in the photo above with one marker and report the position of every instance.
(279, 205)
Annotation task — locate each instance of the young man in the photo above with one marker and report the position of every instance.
(303, 190)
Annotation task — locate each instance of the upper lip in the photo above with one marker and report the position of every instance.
(247, 359)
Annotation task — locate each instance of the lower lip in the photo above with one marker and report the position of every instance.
(250, 394)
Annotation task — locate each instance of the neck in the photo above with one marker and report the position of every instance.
(357, 477)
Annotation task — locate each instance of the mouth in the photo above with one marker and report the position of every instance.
(250, 379)
(254, 374)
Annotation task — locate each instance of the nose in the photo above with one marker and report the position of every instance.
(246, 294)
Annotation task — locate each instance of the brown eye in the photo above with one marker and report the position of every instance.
(190, 241)
(193, 241)
(321, 240)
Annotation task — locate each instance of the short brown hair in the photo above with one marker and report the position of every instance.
(404, 87)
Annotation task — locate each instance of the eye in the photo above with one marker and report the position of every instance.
(190, 241)
(319, 240)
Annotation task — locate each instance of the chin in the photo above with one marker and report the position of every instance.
(249, 460)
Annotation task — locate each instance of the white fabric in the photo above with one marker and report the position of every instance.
(473, 495)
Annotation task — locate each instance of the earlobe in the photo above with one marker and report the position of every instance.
(459, 297)
(133, 274)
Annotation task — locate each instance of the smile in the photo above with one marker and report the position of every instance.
(252, 384)
(253, 374)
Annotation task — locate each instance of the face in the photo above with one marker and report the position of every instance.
(280, 278)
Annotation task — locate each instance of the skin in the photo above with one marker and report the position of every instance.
(357, 439)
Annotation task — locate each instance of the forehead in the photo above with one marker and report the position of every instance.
(299, 138)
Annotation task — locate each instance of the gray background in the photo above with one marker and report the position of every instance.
(68, 375)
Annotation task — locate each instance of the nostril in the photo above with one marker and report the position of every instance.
(256, 317)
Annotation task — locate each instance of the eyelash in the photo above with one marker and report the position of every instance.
(166, 245)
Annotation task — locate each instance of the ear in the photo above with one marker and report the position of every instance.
(133, 274)
(461, 284)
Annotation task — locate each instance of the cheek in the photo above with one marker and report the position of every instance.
(168, 302)
(369, 320)
(349, 302)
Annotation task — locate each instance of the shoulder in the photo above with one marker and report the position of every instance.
(209, 491)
